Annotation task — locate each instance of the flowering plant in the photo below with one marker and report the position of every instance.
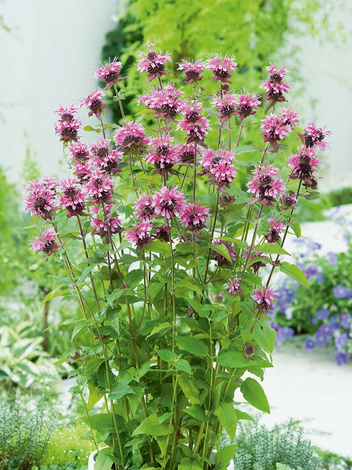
(325, 314)
(164, 238)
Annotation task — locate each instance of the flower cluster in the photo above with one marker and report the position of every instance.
(68, 125)
(165, 102)
(193, 123)
(192, 70)
(222, 67)
(153, 63)
(218, 165)
(109, 73)
(265, 185)
(275, 87)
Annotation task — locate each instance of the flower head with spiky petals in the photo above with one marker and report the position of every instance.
(233, 286)
(68, 113)
(289, 117)
(303, 165)
(101, 219)
(288, 200)
(68, 130)
(140, 235)
(153, 63)
(99, 188)
(82, 170)
(94, 102)
(131, 134)
(100, 148)
(264, 299)
(265, 185)
(195, 125)
(221, 259)
(72, 198)
(275, 87)
(194, 217)
(109, 73)
(79, 151)
(246, 105)
(165, 102)
(144, 206)
(274, 129)
(110, 163)
(46, 242)
(211, 159)
(225, 104)
(168, 203)
(221, 67)
(41, 198)
(276, 227)
(192, 70)
(314, 136)
(163, 155)
(186, 152)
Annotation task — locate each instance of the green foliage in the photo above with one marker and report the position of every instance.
(340, 197)
(23, 362)
(23, 437)
(283, 448)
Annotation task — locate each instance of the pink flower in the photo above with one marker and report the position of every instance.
(79, 151)
(72, 199)
(162, 233)
(265, 185)
(246, 105)
(164, 157)
(130, 134)
(288, 200)
(168, 202)
(68, 130)
(303, 164)
(314, 136)
(109, 73)
(109, 163)
(221, 259)
(153, 63)
(195, 125)
(192, 70)
(275, 87)
(233, 286)
(100, 148)
(224, 173)
(99, 188)
(94, 102)
(264, 299)
(165, 102)
(274, 231)
(221, 67)
(100, 220)
(289, 117)
(144, 207)
(186, 153)
(225, 105)
(211, 159)
(82, 171)
(46, 242)
(257, 264)
(41, 198)
(194, 217)
(274, 129)
(140, 235)
(66, 114)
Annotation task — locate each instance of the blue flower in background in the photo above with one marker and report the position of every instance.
(320, 339)
(309, 344)
(322, 314)
(341, 358)
(326, 330)
(332, 258)
(346, 320)
(314, 270)
(334, 321)
(341, 341)
(341, 292)
(284, 333)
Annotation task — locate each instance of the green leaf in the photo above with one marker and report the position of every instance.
(281, 466)
(228, 418)
(78, 327)
(294, 272)
(158, 246)
(166, 355)
(296, 228)
(103, 462)
(264, 336)
(255, 395)
(224, 456)
(85, 273)
(189, 389)
(222, 250)
(91, 129)
(232, 359)
(242, 415)
(151, 427)
(120, 391)
(91, 366)
(197, 412)
(94, 395)
(192, 345)
(187, 464)
(271, 249)
(183, 365)
(160, 327)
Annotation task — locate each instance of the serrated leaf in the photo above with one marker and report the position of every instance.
(227, 417)
(189, 389)
(120, 391)
(296, 228)
(151, 427)
(91, 129)
(224, 456)
(232, 359)
(103, 462)
(222, 250)
(294, 272)
(197, 412)
(265, 336)
(78, 327)
(183, 365)
(158, 246)
(158, 328)
(255, 395)
(166, 355)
